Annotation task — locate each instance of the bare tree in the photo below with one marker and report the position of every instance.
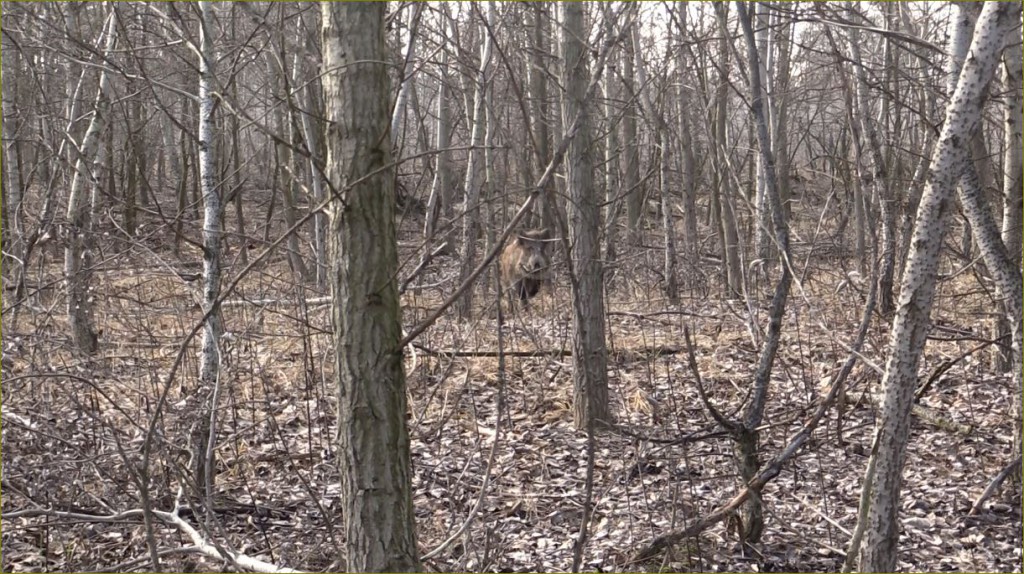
(373, 441)
(475, 169)
(880, 177)
(874, 543)
(77, 252)
(209, 361)
(590, 355)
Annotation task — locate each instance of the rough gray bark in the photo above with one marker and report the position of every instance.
(631, 146)
(875, 550)
(879, 181)
(732, 270)
(688, 159)
(590, 355)
(747, 441)
(373, 441)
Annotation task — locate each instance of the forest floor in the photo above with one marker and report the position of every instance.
(73, 428)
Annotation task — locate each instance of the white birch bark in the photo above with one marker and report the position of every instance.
(77, 258)
(209, 359)
(475, 169)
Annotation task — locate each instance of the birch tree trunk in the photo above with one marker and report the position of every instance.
(406, 82)
(475, 170)
(874, 542)
(209, 360)
(1013, 206)
(590, 355)
(440, 191)
(373, 441)
(1012, 196)
(77, 257)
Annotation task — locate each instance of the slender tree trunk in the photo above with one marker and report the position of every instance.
(77, 256)
(880, 181)
(284, 114)
(688, 159)
(1013, 205)
(539, 104)
(209, 361)
(440, 191)
(631, 146)
(406, 84)
(475, 170)
(612, 193)
(747, 442)
(732, 271)
(590, 355)
(874, 542)
(373, 441)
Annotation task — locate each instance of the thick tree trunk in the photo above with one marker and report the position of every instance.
(373, 441)
(590, 355)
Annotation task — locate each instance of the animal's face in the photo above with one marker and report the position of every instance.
(533, 257)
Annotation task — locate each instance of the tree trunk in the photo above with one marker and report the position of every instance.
(475, 170)
(688, 159)
(631, 146)
(732, 270)
(440, 190)
(880, 181)
(373, 441)
(77, 256)
(209, 361)
(406, 82)
(747, 441)
(613, 190)
(590, 356)
(541, 112)
(874, 542)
